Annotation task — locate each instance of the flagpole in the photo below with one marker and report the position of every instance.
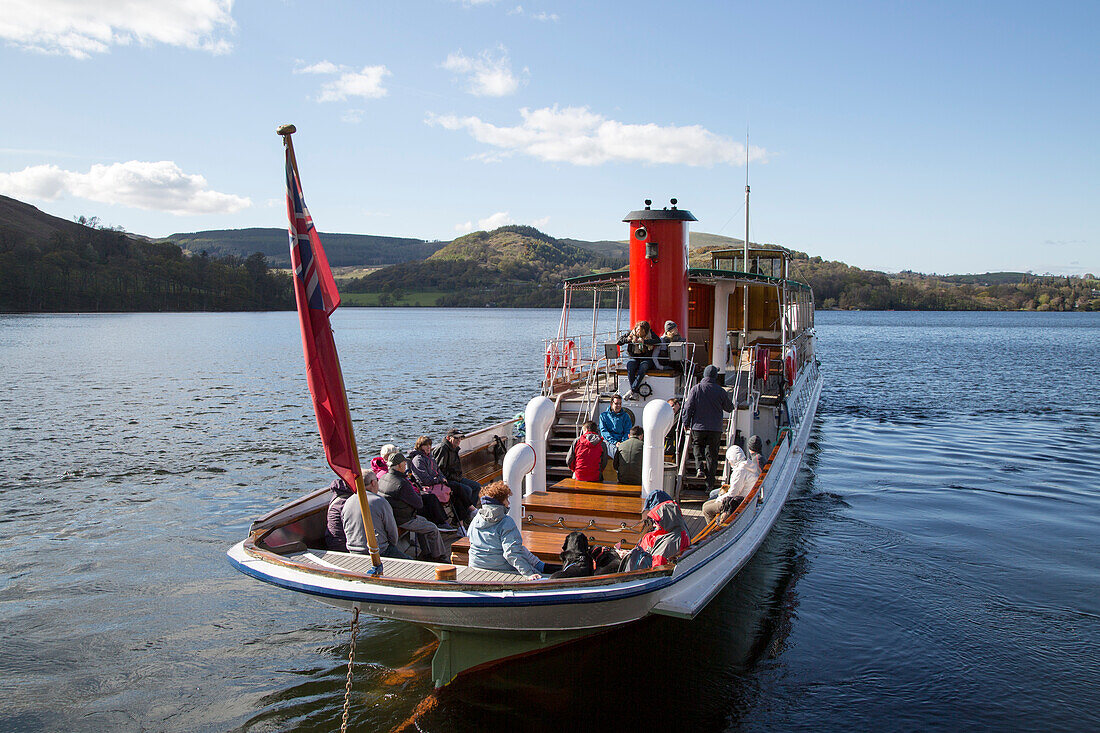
(285, 131)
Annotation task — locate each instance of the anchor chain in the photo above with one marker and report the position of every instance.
(351, 661)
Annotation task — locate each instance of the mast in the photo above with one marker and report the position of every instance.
(745, 287)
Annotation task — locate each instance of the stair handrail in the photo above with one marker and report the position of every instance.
(731, 428)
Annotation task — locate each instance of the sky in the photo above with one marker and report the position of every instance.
(939, 137)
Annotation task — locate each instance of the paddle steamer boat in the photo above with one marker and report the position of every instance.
(743, 314)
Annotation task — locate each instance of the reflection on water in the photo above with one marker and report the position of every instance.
(935, 566)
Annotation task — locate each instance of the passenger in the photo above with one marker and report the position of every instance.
(670, 336)
(496, 542)
(586, 457)
(640, 343)
(450, 463)
(628, 459)
(615, 424)
(426, 472)
(385, 527)
(335, 539)
(405, 502)
(743, 474)
(669, 537)
(703, 410)
(380, 463)
(754, 445)
(576, 558)
(670, 439)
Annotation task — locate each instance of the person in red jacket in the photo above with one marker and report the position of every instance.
(669, 537)
(587, 457)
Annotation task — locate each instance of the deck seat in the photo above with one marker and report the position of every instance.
(571, 485)
(544, 543)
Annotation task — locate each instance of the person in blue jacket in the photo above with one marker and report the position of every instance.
(615, 425)
(496, 542)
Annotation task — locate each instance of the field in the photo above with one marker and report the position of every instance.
(421, 298)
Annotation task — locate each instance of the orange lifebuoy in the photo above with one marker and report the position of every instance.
(571, 357)
(552, 360)
(791, 362)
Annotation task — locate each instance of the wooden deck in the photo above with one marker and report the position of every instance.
(406, 569)
(605, 512)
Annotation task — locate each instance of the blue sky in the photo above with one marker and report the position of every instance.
(939, 137)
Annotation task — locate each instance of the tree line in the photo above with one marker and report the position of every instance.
(92, 269)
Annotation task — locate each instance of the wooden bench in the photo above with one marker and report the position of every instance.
(587, 505)
(571, 485)
(544, 543)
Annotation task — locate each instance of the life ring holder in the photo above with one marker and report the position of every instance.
(571, 356)
(553, 360)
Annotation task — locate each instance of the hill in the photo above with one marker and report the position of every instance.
(343, 250)
(49, 264)
(510, 266)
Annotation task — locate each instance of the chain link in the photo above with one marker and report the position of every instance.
(351, 662)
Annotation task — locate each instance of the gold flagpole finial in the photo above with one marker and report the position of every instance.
(285, 130)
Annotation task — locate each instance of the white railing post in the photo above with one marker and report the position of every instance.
(519, 460)
(538, 417)
(657, 418)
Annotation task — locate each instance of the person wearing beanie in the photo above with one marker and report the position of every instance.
(704, 408)
(405, 502)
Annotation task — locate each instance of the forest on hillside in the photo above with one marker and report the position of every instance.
(90, 270)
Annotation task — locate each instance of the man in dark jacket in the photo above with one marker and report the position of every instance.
(404, 499)
(702, 414)
(628, 460)
(450, 463)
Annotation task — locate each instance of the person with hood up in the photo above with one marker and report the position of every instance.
(669, 537)
(586, 457)
(335, 538)
(405, 502)
(496, 542)
(743, 475)
(703, 410)
(615, 425)
(576, 557)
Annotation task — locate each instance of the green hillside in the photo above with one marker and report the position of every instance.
(343, 250)
(515, 266)
(49, 264)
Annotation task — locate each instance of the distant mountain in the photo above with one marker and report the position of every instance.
(509, 266)
(617, 251)
(343, 250)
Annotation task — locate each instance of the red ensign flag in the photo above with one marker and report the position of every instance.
(317, 297)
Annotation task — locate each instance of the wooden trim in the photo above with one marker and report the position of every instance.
(716, 526)
(251, 548)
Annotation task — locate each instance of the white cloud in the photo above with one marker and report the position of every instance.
(493, 221)
(352, 116)
(581, 137)
(486, 76)
(159, 186)
(80, 28)
(366, 83)
(321, 67)
(542, 16)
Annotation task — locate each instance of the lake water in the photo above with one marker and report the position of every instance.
(936, 566)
